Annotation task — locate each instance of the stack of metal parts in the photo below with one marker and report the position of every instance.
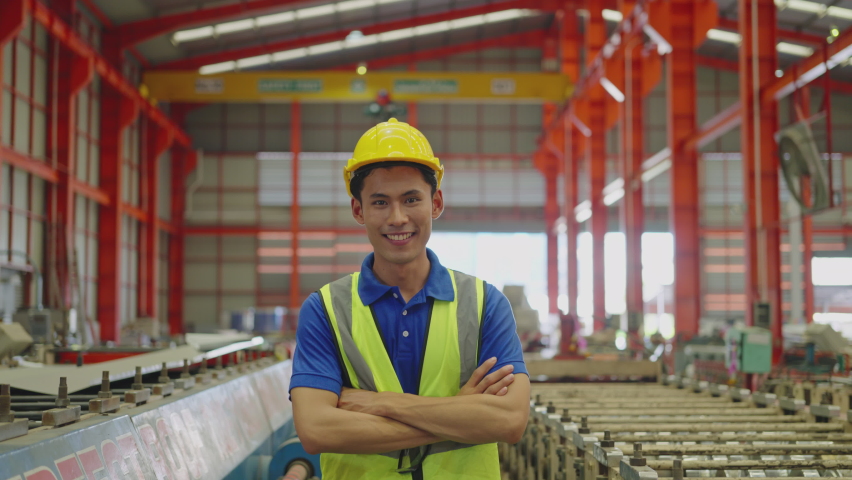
(675, 429)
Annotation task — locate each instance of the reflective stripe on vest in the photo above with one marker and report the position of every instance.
(450, 357)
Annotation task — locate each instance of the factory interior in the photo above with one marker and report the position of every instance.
(661, 189)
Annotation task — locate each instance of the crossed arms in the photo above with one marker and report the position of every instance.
(489, 408)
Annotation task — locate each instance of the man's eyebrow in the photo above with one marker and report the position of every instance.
(384, 195)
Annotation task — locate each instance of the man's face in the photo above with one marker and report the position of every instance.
(397, 207)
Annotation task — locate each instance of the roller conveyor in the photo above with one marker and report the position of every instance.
(683, 429)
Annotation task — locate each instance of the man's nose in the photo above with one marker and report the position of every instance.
(397, 215)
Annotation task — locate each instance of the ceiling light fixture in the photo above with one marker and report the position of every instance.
(184, 36)
(348, 43)
(612, 15)
(815, 8)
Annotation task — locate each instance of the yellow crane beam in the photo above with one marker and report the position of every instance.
(336, 86)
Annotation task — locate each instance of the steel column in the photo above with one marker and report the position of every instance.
(684, 213)
(73, 73)
(118, 112)
(570, 45)
(296, 149)
(761, 227)
(12, 17)
(177, 265)
(596, 161)
(803, 97)
(633, 208)
(158, 141)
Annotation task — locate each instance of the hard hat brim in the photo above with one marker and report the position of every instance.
(347, 173)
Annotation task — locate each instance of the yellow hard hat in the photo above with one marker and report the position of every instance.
(392, 141)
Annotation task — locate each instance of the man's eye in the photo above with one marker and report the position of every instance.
(379, 202)
(412, 199)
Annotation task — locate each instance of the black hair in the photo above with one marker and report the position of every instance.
(356, 184)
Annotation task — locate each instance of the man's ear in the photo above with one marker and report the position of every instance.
(357, 211)
(437, 205)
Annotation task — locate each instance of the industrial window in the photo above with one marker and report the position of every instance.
(131, 164)
(22, 221)
(24, 90)
(129, 268)
(88, 133)
(86, 242)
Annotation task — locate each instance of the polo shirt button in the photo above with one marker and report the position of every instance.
(405, 312)
(405, 333)
(395, 296)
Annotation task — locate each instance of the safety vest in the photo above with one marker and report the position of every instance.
(451, 356)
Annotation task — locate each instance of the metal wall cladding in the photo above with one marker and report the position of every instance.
(215, 433)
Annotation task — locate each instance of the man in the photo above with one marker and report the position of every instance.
(406, 370)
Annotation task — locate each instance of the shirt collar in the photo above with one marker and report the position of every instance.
(439, 285)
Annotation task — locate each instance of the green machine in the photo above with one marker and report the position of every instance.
(748, 350)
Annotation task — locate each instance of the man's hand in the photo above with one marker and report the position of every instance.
(496, 383)
(363, 401)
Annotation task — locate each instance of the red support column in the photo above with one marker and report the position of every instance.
(118, 112)
(412, 106)
(573, 156)
(804, 99)
(761, 227)
(296, 149)
(570, 46)
(683, 213)
(14, 14)
(596, 160)
(73, 73)
(159, 140)
(177, 240)
(633, 207)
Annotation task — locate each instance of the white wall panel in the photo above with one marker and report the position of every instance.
(201, 276)
(239, 276)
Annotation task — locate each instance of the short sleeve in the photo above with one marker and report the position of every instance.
(500, 333)
(315, 361)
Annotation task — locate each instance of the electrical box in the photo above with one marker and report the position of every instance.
(748, 350)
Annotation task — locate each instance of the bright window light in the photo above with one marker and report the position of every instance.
(355, 5)
(612, 15)
(377, 38)
(793, 49)
(325, 48)
(254, 61)
(724, 36)
(218, 68)
(832, 271)
(432, 28)
(312, 12)
(238, 26)
(289, 54)
(275, 19)
(194, 34)
(395, 35)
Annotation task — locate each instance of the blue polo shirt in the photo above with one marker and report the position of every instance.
(403, 327)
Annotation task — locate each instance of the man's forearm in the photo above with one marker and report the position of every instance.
(341, 431)
(467, 419)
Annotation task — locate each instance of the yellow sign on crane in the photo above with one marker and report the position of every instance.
(335, 86)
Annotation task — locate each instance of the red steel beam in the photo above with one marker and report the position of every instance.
(788, 35)
(596, 160)
(136, 32)
(159, 140)
(295, 210)
(111, 76)
(12, 20)
(684, 213)
(177, 243)
(515, 40)
(235, 54)
(633, 206)
(569, 45)
(90, 192)
(757, 61)
(810, 68)
(119, 112)
(551, 214)
(73, 72)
